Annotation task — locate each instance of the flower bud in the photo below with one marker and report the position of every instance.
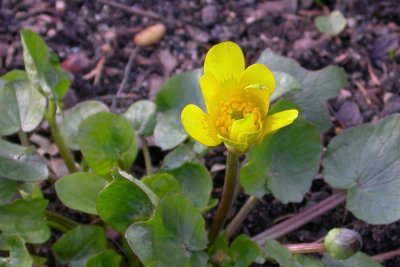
(342, 243)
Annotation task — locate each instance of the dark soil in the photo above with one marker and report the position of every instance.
(83, 32)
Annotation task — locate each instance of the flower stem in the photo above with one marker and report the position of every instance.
(301, 218)
(306, 248)
(146, 156)
(23, 138)
(55, 132)
(231, 180)
(386, 256)
(59, 222)
(241, 216)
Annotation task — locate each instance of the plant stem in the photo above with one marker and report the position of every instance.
(55, 132)
(306, 248)
(59, 222)
(241, 216)
(23, 138)
(146, 156)
(231, 180)
(301, 218)
(386, 256)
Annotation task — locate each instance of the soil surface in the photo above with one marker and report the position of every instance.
(92, 36)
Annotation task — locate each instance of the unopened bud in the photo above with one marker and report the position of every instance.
(342, 243)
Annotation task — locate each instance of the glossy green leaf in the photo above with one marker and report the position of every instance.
(123, 202)
(74, 116)
(174, 236)
(332, 24)
(19, 255)
(142, 116)
(106, 258)
(285, 258)
(79, 190)
(284, 83)
(21, 106)
(195, 181)
(358, 260)
(107, 140)
(78, 245)
(21, 163)
(8, 189)
(162, 184)
(243, 252)
(285, 163)
(177, 157)
(180, 90)
(26, 219)
(317, 86)
(43, 67)
(366, 161)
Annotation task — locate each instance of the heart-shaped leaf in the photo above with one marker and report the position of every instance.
(180, 90)
(74, 116)
(177, 157)
(174, 236)
(124, 201)
(333, 24)
(79, 190)
(142, 116)
(43, 67)
(107, 140)
(195, 181)
(77, 246)
(20, 163)
(317, 86)
(284, 83)
(285, 163)
(366, 161)
(26, 219)
(162, 184)
(21, 106)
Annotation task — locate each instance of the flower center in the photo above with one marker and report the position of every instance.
(236, 108)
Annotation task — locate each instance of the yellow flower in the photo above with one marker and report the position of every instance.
(237, 102)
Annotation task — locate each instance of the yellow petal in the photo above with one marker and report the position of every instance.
(225, 61)
(245, 125)
(259, 83)
(279, 120)
(199, 125)
(210, 88)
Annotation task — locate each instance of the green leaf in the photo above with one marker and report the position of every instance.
(333, 24)
(43, 67)
(317, 86)
(26, 219)
(19, 255)
(366, 161)
(106, 258)
(79, 191)
(162, 184)
(177, 157)
(123, 202)
(285, 258)
(142, 116)
(74, 116)
(174, 236)
(284, 83)
(19, 163)
(107, 140)
(77, 246)
(179, 91)
(358, 260)
(195, 181)
(243, 252)
(8, 189)
(21, 106)
(285, 163)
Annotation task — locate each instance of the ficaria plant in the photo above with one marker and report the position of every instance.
(267, 119)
